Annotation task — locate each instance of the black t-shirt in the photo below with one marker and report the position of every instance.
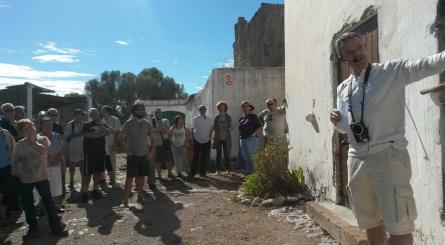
(94, 144)
(6, 124)
(248, 124)
(58, 128)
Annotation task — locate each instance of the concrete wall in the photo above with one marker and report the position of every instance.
(403, 33)
(252, 84)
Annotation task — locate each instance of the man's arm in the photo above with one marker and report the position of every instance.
(408, 71)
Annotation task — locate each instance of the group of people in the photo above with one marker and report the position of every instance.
(34, 156)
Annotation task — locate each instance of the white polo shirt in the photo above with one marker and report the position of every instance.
(202, 129)
(384, 110)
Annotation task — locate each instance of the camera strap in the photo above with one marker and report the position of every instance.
(365, 81)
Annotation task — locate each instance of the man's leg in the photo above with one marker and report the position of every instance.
(395, 194)
(195, 161)
(377, 235)
(205, 151)
(127, 189)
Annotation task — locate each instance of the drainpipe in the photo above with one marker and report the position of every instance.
(29, 88)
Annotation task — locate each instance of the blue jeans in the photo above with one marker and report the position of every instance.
(28, 203)
(248, 147)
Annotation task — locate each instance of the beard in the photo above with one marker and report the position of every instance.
(138, 116)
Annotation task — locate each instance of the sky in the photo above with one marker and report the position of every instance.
(61, 44)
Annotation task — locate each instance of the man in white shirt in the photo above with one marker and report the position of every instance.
(202, 134)
(378, 162)
(111, 142)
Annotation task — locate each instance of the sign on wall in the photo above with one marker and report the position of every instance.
(229, 80)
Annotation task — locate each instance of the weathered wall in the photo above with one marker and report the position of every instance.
(260, 42)
(252, 84)
(403, 33)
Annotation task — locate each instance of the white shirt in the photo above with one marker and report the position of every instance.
(384, 112)
(202, 129)
(113, 123)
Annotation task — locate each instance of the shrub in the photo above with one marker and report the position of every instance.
(272, 176)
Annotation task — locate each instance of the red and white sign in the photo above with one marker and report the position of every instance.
(229, 80)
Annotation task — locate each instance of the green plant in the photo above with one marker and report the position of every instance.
(256, 185)
(272, 175)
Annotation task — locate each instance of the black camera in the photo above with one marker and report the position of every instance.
(359, 131)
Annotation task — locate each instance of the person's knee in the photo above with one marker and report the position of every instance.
(406, 239)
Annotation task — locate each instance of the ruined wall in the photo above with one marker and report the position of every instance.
(404, 32)
(260, 42)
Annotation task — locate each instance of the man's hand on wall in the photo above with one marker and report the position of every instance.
(335, 116)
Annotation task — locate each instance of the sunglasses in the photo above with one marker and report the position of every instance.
(9, 110)
(53, 115)
(270, 104)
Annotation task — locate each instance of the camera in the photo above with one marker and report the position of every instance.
(359, 131)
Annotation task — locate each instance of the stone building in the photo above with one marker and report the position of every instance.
(392, 29)
(260, 42)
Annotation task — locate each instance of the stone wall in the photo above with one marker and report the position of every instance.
(260, 42)
(311, 74)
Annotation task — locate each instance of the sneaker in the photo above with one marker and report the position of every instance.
(85, 197)
(152, 187)
(125, 204)
(203, 175)
(96, 194)
(33, 232)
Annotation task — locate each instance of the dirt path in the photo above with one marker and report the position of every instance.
(180, 212)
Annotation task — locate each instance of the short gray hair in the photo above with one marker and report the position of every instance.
(342, 39)
(92, 110)
(7, 106)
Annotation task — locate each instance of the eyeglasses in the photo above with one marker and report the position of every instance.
(269, 104)
(9, 110)
(202, 110)
(52, 115)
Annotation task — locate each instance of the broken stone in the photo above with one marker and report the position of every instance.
(267, 203)
(278, 211)
(246, 201)
(256, 201)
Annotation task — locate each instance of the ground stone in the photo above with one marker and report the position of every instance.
(256, 201)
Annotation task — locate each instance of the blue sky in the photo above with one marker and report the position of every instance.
(60, 44)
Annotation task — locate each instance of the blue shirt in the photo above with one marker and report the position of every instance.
(5, 158)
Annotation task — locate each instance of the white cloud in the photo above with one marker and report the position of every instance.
(176, 62)
(52, 47)
(205, 77)
(5, 6)
(61, 81)
(120, 42)
(20, 71)
(50, 52)
(198, 88)
(156, 61)
(56, 58)
(208, 53)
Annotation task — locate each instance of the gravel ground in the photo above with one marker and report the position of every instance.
(180, 212)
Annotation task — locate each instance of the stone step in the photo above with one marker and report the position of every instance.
(338, 221)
